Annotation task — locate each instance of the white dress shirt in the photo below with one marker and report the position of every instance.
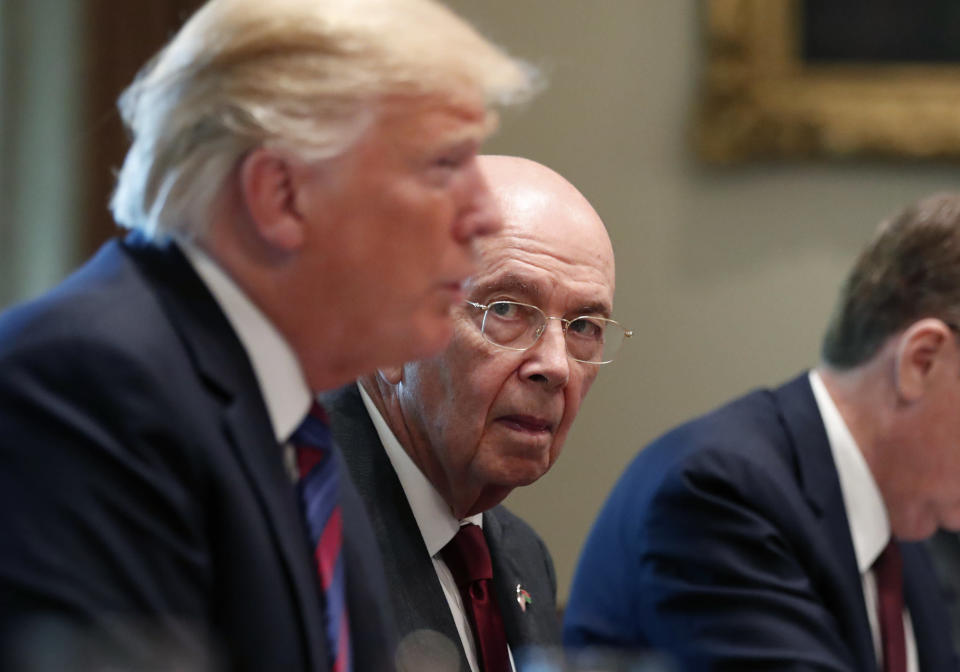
(282, 383)
(437, 524)
(866, 513)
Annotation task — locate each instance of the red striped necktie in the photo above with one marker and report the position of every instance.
(888, 570)
(468, 557)
(319, 490)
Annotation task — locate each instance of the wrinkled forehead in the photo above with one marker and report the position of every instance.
(541, 265)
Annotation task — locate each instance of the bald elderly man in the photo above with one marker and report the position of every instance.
(436, 445)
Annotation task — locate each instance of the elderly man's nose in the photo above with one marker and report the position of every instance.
(548, 361)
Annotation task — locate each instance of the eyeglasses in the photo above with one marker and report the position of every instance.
(517, 326)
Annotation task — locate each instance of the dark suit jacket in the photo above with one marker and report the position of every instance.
(518, 554)
(944, 548)
(146, 514)
(726, 544)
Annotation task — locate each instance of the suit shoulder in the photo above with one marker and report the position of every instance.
(98, 350)
(106, 301)
(742, 449)
(750, 430)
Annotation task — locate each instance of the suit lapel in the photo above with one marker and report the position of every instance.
(536, 622)
(931, 621)
(507, 576)
(222, 363)
(838, 571)
(258, 452)
(416, 595)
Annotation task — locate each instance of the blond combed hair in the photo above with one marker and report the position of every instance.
(305, 75)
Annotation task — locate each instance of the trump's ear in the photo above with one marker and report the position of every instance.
(920, 355)
(268, 185)
(391, 375)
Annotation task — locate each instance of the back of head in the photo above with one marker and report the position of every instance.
(910, 271)
(301, 75)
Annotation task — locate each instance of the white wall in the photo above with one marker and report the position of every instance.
(726, 275)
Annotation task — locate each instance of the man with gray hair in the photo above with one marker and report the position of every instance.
(780, 531)
(302, 193)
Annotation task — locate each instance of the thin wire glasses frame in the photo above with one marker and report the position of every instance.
(518, 326)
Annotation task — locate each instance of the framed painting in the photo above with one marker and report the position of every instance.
(789, 79)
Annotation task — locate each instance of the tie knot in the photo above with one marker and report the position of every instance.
(312, 439)
(468, 556)
(314, 430)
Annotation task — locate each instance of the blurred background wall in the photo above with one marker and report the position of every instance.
(726, 275)
(39, 87)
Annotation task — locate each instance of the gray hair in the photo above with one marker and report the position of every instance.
(910, 271)
(301, 75)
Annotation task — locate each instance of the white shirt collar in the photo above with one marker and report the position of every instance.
(282, 383)
(437, 524)
(866, 513)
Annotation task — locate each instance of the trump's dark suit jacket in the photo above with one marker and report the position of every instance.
(726, 543)
(518, 554)
(146, 514)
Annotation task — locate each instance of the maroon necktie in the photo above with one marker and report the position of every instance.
(888, 570)
(468, 558)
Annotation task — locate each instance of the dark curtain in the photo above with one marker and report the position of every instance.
(119, 36)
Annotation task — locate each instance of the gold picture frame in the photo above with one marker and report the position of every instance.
(759, 100)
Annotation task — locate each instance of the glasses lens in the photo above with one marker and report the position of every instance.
(594, 339)
(512, 325)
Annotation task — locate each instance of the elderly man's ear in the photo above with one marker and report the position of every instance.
(926, 350)
(270, 184)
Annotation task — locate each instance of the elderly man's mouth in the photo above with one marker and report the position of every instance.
(526, 423)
